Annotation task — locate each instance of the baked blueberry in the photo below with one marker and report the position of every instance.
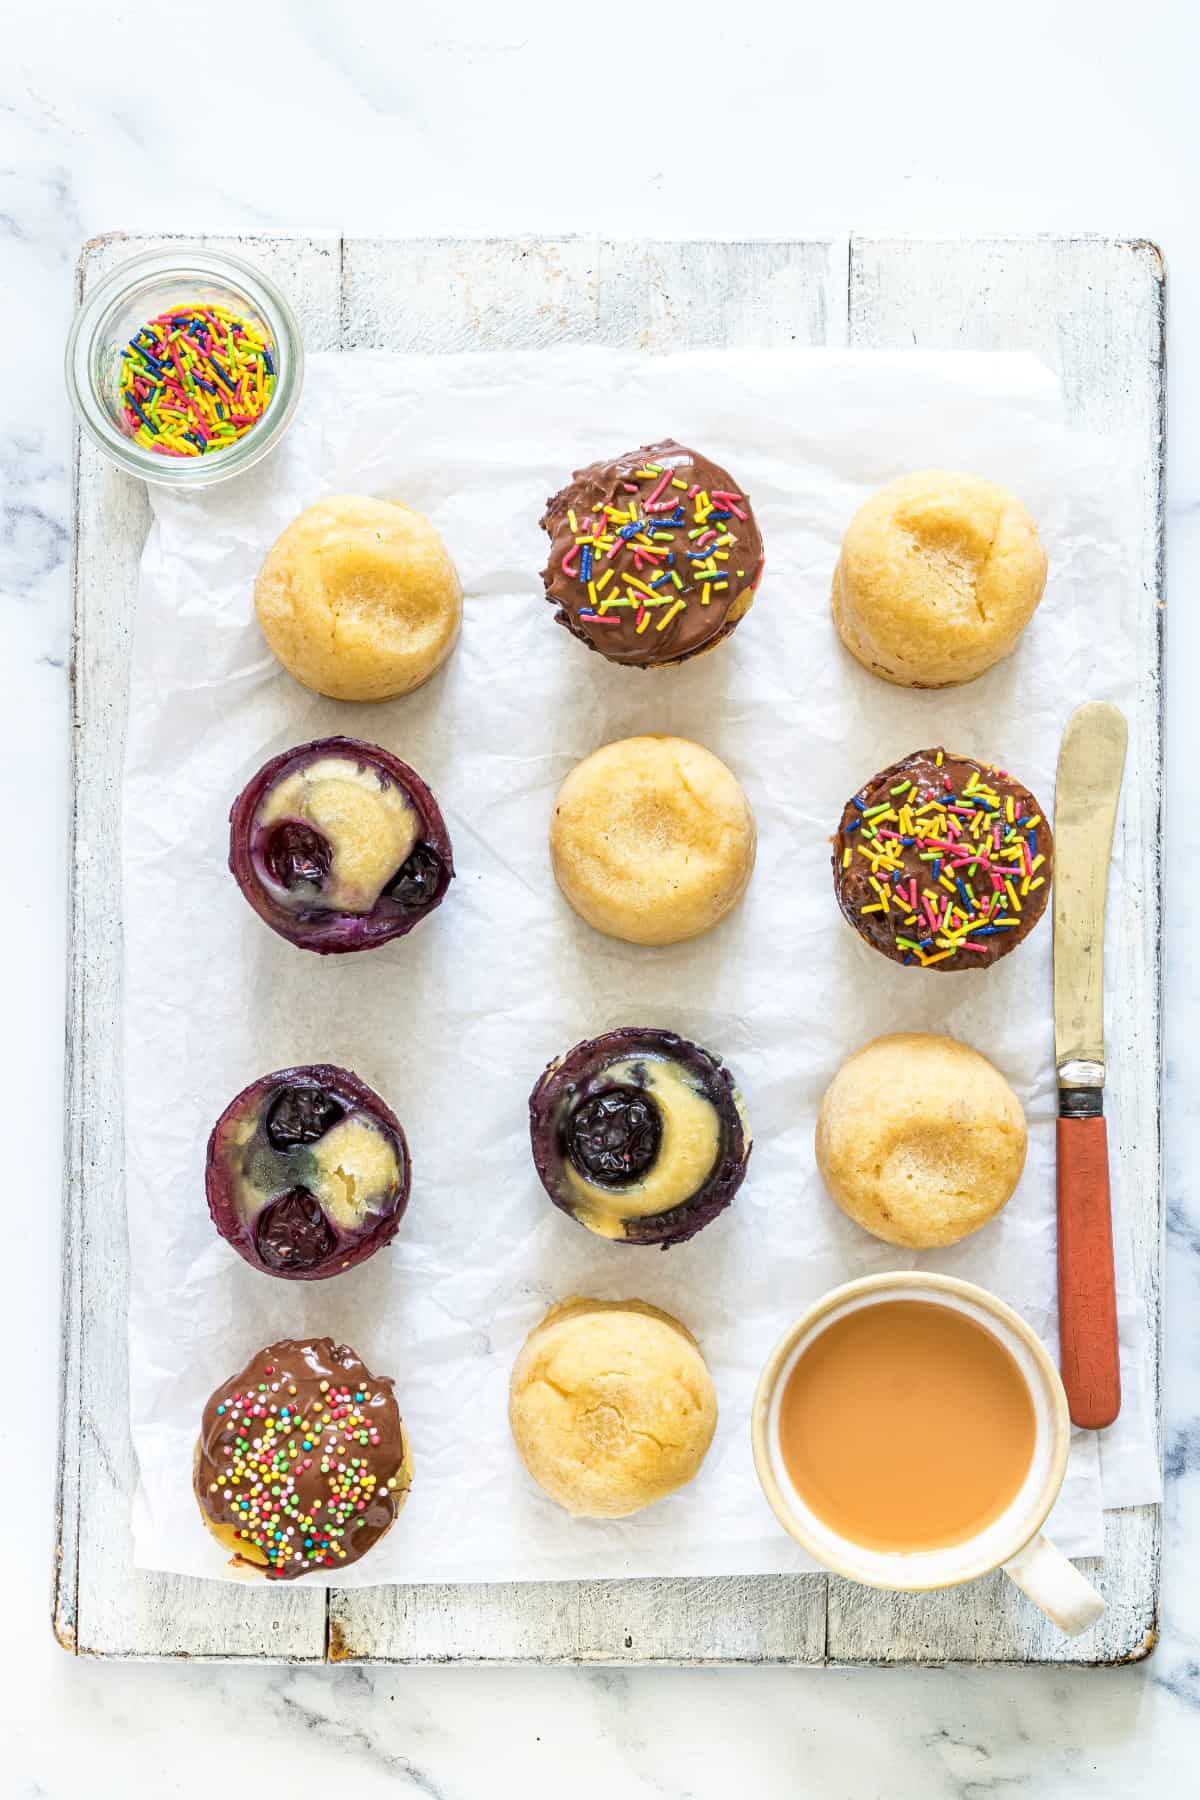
(308, 1173)
(639, 1135)
(338, 846)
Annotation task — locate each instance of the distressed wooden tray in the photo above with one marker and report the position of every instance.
(1094, 310)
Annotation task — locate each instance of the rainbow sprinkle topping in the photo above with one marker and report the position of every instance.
(195, 380)
(950, 869)
(666, 547)
(267, 1451)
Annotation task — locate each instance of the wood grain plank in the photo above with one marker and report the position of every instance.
(759, 1619)
(103, 1605)
(447, 294)
(1093, 309)
(441, 295)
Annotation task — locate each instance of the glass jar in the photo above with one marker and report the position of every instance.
(139, 290)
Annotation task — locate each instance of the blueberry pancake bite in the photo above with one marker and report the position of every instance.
(640, 1136)
(654, 555)
(303, 1462)
(339, 846)
(307, 1173)
(943, 862)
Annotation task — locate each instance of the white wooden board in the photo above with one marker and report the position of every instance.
(1094, 310)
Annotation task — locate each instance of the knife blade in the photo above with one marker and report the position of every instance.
(1091, 763)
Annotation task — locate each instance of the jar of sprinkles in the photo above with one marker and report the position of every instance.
(184, 365)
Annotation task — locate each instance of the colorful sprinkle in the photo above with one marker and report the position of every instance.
(195, 380)
(977, 850)
(264, 1504)
(636, 541)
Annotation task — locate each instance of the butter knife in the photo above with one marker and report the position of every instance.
(1090, 766)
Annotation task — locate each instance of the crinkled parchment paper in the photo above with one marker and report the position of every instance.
(453, 1024)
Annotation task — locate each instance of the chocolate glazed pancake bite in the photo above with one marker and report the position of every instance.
(640, 1136)
(654, 556)
(339, 846)
(307, 1173)
(303, 1462)
(943, 862)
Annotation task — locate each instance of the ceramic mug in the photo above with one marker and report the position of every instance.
(1013, 1541)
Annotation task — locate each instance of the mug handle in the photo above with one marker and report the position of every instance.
(1052, 1582)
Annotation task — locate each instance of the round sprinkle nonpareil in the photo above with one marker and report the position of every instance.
(195, 380)
(302, 1462)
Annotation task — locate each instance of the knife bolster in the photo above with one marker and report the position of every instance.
(1080, 1102)
(1080, 1088)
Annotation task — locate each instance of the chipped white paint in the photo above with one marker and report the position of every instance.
(1093, 309)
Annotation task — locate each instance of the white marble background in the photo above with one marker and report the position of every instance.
(710, 118)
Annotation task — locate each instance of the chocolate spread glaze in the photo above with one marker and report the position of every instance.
(726, 549)
(304, 1456)
(977, 845)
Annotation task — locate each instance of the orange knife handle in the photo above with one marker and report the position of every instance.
(1087, 1298)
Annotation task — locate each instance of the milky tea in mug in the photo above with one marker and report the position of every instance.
(906, 1426)
(911, 1431)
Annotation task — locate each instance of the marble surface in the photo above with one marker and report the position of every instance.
(312, 116)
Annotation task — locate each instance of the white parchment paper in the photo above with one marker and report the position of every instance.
(453, 1024)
